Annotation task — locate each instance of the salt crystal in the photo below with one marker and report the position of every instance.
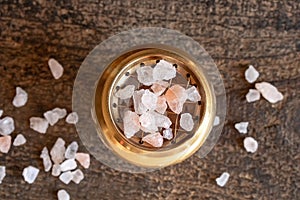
(161, 120)
(145, 75)
(193, 94)
(269, 92)
(250, 144)
(71, 150)
(67, 165)
(161, 105)
(167, 134)
(83, 159)
(186, 121)
(242, 127)
(148, 123)
(164, 71)
(159, 87)
(46, 159)
(139, 107)
(61, 112)
(252, 95)
(21, 97)
(56, 68)
(216, 121)
(126, 92)
(58, 151)
(66, 177)
(149, 99)
(56, 170)
(72, 118)
(222, 180)
(63, 195)
(1, 112)
(39, 124)
(30, 174)
(176, 96)
(19, 140)
(52, 116)
(5, 143)
(154, 139)
(251, 74)
(7, 126)
(2, 173)
(77, 176)
(131, 123)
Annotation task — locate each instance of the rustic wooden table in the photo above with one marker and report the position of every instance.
(236, 34)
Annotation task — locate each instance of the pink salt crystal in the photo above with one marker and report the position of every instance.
(193, 94)
(126, 92)
(55, 68)
(148, 123)
(161, 105)
(269, 92)
(164, 71)
(131, 123)
(168, 134)
(159, 87)
(139, 107)
(145, 75)
(149, 99)
(21, 97)
(176, 96)
(161, 120)
(58, 151)
(154, 139)
(5, 143)
(83, 159)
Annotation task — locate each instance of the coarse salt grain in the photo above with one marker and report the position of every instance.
(68, 165)
(5, 143)
(56, 68)
(7, 126)
(252, 95)
(126, 92)
(30, 174)
(250, 144)
(58, 151)
(39, 124)
(2, 173)
(131, 123)
(78, 176)
(46, 159)
(154, 139)
(223, 179)
(72, 118)
(71, 150)
(20, 98)
(83, 159)
(269, 92)
(186, 121)
(251, 74)
(66, 177)
(242, 127)
(63, 195)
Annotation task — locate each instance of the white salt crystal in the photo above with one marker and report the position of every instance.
(131, 123)
(56, 170)
(252, 95)
(164, 71)
(126, 92)
(251, 74)
(193, 94)
(159, 87)
(176, 97)
(161, 120)
(66, 177)
(241, 127)
(61, 112)
(161, 105)
(72, 118)
(71, 150)
(168, 134)
(186, 121)
(154, 139)
(83, 159)
(30, 174)
(5, 143)
(21, 97)
(1, 112)
(77, 176)
(139, 107)
(56, 68)
(2, 173)
(145, 75)
(149, 99)
(216, 121)
(19, 140)
(269, 92)
(52, 116)
(250, 144)
(46, 159)
(7, 126)
(58, 151)
(148, 122)
(222, 180)
(67, 165)
(39, 124)
(63, 195)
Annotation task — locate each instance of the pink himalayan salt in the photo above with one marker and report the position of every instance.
(149, 99)
(176, 96)
(131, 123)
(83, 159)
(5, 143)
(148, 123)
(139, 107)
(56, 68)
(161, 105)
(154, 139)
(159, 87)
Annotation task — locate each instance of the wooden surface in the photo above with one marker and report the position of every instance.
(263, 33)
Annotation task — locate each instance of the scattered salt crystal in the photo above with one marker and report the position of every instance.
(139, 107)
(241, 127)
(126, 92)
(46, 159)
(148, 122)
(61, 112)
(55, 68)
(56, 170)
(222, 180)
(167, 134)
(186, 121)
(7, 126)
(66, 177)
(77, 176)
(19, 140)
(58, 151)
(71, 150)
(164, 71)
(159, 87)
(154, 139)
(1, 112)
(250, 144)
(63, 195)
(193, 94)
(72, 118)
(52, 116)
(149, 99)
(2, 173)
(252, 95)
(216, 121)
(161, 120)
(39, 124)
(251, 74)
(131, 123)
(269, 92)
(176, 96)
(161, 105)
(145, 75)
(30, 173)
(83, 159)
(21, 97)
(5, 143)
(67, 165)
